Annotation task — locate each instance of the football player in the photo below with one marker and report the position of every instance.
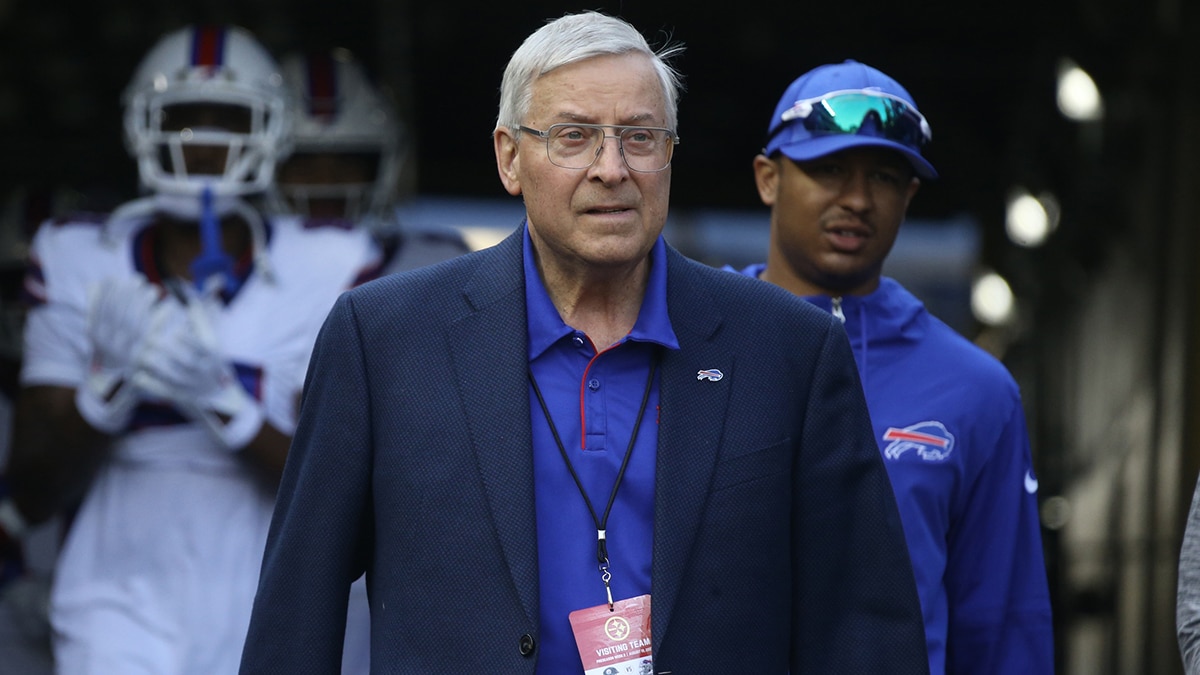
(347, 158)
(164, 358)
(344, 168)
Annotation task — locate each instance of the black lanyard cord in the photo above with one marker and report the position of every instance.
(601, 546)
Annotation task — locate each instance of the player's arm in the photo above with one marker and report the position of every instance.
(55, 452)
(267, 452)
(75, 393)
(53, 456)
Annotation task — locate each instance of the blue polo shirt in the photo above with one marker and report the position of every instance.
(593, 399)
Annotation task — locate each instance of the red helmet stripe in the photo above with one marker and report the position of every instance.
(208, 46)
(322, 85)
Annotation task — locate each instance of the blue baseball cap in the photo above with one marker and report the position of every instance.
(847, 105)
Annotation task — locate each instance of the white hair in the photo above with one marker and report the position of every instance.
(573, 38)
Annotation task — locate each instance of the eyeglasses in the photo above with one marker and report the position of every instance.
(576, 146)
(861, 111)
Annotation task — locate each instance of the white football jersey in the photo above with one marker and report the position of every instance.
(266, 330)
(159, 571)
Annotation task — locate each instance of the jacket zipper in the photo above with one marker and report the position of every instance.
(837, 310)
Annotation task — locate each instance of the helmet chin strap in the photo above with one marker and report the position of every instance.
(203, 208)
(212, 270)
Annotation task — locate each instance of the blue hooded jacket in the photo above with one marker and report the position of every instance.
(949, 421)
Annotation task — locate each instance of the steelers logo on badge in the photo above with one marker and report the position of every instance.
(617, 628)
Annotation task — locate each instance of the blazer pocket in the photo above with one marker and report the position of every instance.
(753, 465)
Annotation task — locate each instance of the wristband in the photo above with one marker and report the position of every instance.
(236, 431)
(109, 415)
(241, 429)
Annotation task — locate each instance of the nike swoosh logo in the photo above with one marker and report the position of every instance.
(1031, 483)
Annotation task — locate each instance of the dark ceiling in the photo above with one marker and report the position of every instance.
(982, 74)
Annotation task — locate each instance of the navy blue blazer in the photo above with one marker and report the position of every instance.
(777, 544)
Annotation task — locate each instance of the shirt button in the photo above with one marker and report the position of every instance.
(577, 341)
(593, 384)
(527, 644)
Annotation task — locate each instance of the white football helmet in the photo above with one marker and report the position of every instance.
(337, 111)
(213, 66)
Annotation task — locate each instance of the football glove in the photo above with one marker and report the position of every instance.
(181, 362)
(118, 320)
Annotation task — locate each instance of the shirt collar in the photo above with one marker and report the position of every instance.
(546, 327)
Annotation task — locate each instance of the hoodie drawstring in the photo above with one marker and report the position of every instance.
(861, 354)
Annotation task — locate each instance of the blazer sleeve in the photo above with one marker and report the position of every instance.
(318, 538)
(855, 605)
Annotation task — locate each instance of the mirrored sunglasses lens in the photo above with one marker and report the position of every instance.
(860, 113)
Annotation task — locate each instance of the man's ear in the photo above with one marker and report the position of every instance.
(508, 159)
(913, 186)
(766, 177)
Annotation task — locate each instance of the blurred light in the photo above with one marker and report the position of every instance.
(1056, 512)
(482, 237)
(992, 300)
(1078, 97)
(1030, 220)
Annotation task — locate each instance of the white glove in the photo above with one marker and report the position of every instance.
(118, 320)
(181, 362)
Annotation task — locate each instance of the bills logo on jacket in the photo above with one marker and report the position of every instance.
(930, 441)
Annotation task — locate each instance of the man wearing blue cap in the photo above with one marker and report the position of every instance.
(841, 164)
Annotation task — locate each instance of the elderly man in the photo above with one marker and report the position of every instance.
(522, 447)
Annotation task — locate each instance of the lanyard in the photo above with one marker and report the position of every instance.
(600, 523)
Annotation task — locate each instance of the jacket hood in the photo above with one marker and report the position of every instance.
(885, 318)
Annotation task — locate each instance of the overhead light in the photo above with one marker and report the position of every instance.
(1029, 220)
(1078, 97)
(992, 300)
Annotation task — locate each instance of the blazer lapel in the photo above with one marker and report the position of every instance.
(488, 346)
(692, 420)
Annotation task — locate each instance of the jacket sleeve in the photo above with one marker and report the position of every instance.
(317, 542)
(1187, 606)
(999, 601)
(855, 605)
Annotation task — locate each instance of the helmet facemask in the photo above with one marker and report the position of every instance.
(346, 143)
(200, 93)
(320, 182)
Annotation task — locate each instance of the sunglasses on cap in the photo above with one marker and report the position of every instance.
(857, 110)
